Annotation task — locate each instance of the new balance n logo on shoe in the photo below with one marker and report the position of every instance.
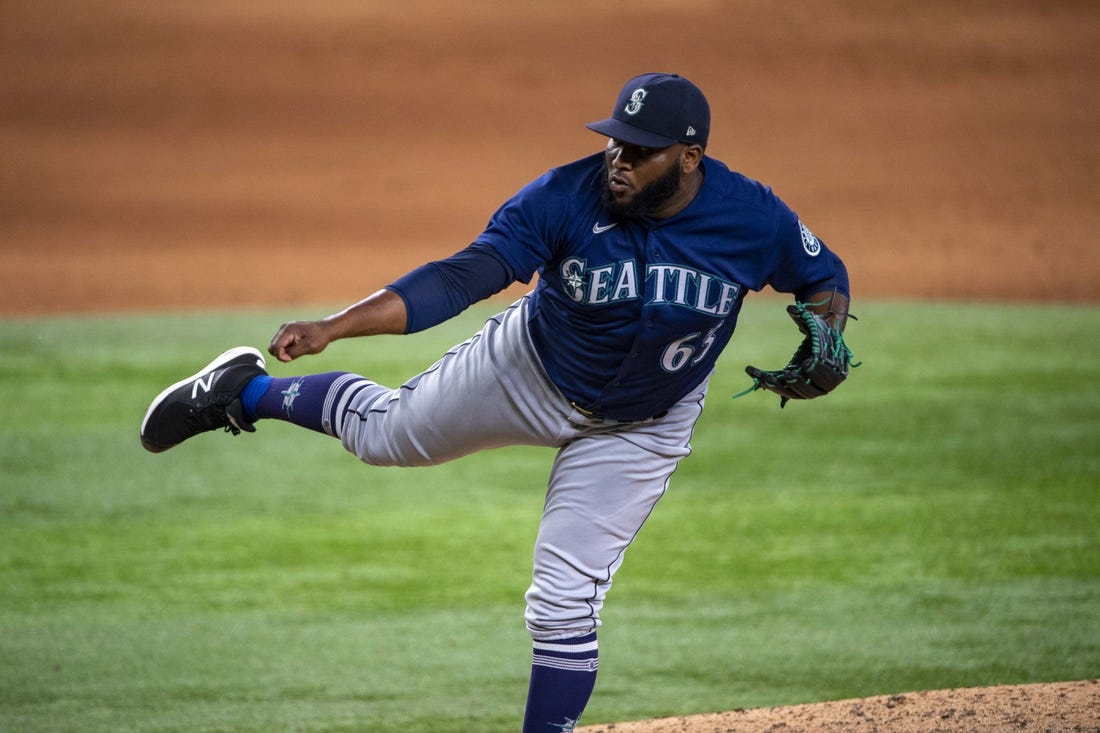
(199, 383)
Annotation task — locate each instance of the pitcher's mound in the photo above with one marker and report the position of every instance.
(1062, 707)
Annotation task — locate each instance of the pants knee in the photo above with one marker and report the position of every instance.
(549, 618)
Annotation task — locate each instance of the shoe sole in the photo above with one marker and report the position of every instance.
(218, 362)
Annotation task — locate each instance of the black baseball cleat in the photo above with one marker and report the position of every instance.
(204, 401)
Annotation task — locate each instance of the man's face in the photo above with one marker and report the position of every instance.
(640, 181)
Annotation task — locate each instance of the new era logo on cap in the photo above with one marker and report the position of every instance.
(657, 110)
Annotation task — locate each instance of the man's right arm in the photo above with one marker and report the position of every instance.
(428, 295)
(380, 313)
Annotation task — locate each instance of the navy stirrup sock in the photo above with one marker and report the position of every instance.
(563, 674)
(299, 400)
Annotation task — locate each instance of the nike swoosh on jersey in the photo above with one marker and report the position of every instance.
(597, 229)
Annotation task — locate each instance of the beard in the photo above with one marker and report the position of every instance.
(646, 201)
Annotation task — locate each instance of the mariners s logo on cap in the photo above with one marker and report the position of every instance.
(637, 98)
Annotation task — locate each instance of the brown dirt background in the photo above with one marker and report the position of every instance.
(210, 154)
(157, 156)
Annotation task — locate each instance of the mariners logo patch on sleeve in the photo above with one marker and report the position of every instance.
(809, 241)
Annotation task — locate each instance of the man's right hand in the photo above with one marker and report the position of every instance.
(299, 338)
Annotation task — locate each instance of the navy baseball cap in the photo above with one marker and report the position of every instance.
(657, 110)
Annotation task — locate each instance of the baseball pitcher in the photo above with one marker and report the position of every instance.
(644, 254)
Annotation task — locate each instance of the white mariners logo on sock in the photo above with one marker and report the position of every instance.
(291, 394)
(809, 241)
(637, 99)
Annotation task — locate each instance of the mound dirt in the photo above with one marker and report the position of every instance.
(1062, 707)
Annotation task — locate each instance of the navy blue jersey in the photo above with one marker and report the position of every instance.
(629, 316)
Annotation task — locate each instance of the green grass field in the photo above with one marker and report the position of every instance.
(932, 524)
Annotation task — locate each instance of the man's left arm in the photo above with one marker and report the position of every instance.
(831, 305)
(823, 359)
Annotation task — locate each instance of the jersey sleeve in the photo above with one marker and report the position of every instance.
(525, 231)
(441, 290)
(803, 264)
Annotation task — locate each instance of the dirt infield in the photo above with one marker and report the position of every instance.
(167, 155)
(156, 156)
